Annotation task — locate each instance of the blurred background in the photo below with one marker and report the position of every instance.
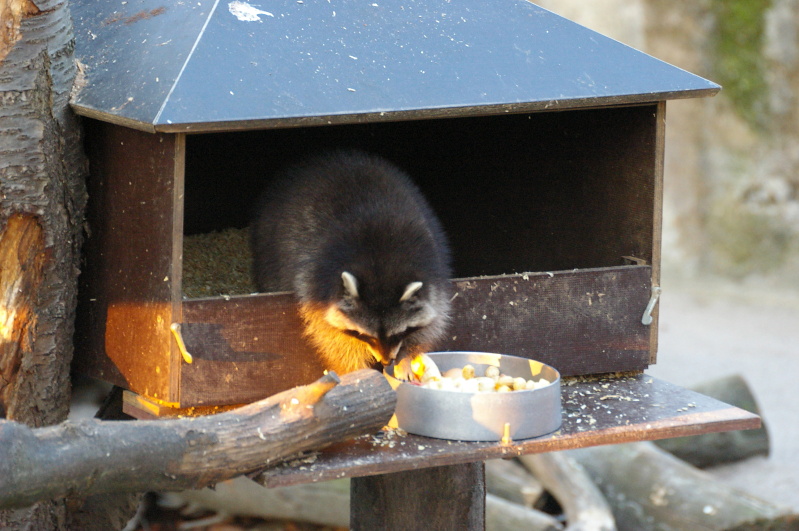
(730, 302)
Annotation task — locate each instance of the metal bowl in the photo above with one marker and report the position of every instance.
(482, 416)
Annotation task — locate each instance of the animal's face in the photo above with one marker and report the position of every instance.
(392, 329)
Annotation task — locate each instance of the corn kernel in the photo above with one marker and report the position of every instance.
(504, 379)
(468, 371)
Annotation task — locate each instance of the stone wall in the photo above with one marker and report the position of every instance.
(732, 162)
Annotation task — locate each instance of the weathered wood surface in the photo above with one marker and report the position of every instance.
(130, 284)
(580, 322)
(93, 456)
(441, 498)
(650, 489)
(596, 411)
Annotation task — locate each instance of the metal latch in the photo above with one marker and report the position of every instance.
(175, 327)
(647, 317)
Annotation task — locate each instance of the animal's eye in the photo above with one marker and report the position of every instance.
(360, 335)
(408, 331)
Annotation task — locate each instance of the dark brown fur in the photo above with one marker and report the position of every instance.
(355, 213)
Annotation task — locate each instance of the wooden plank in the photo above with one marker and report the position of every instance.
(244, 349)
(581, 322)
(440, 498)
(130, 280)
(657, 223)
(596, 411)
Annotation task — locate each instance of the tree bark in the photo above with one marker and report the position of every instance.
(92, 456)
(42, 173)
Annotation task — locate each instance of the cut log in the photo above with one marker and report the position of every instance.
(508, 479)
(326, 503)
(503, 515)
(712, 449)
(649, 488)
(95, 456)
(583, 504)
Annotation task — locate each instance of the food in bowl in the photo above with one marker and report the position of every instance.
(422, 370)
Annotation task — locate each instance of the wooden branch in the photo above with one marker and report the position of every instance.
(504, 515)
(645, 484)
(508, 479)
(79, 459)
(326, 503)
(582, 502)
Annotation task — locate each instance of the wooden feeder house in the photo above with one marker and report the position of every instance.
(538, 142)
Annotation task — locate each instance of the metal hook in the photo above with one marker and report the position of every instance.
(175, 327)
(647, 317)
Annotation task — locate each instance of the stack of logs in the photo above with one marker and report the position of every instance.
(632, 486)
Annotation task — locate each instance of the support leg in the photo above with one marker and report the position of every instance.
(446, 497)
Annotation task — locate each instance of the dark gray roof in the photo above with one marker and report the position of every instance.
(204, 65)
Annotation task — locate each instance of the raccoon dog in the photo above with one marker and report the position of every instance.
(355, 240)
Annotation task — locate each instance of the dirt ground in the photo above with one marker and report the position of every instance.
(710, 329)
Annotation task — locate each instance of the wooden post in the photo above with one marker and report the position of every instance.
(445, 497)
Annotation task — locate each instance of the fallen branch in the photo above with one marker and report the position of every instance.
(92, 456)
(326, 503)
(647, 486)
(503, 515)
(583, 504)
(508, 479)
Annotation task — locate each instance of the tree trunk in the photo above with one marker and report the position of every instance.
(42, 197)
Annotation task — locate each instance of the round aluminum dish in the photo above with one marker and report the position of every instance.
(465, 416)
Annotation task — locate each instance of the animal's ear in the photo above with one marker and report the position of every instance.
(410, 290)
(350, 284)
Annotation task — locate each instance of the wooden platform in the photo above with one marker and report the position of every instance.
(596, 411)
